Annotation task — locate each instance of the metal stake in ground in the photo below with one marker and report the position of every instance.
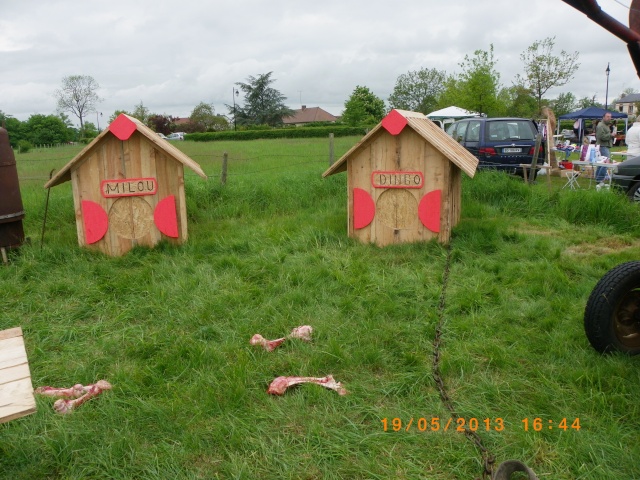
(46, 209)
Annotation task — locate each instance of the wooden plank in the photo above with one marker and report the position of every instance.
(12, 353)
(16, 390)
(10, 333)
(16, 372)
(16, 400)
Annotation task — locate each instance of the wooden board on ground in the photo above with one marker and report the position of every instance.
(16, 390)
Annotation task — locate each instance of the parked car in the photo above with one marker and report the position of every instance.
(161, 135)
(569, 135)
(626, 176)
(176, 136)
(500, 143)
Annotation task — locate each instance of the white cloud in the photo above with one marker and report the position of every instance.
(172, 56)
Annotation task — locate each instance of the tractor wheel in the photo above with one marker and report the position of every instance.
(612, 314)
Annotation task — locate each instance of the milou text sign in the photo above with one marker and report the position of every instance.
(129, 187)
(395, 179)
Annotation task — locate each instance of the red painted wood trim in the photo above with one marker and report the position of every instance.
(94, 221)
(394, 122)
(397, 179)
(128, 187)
(165, 216)
(122, 127)
(364, 209)
(429, 210)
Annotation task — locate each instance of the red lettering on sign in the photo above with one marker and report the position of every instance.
(129, 187)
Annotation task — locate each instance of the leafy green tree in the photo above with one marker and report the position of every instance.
(586, 102)
(78, 95)
(543, 70)
(15, 128)
(89, 132)
(117, 113)
(264, 105)
(477, 87)
(141, 112)
(363, 108)
(161, 123)
(565, 103)
(418, 91)
(518, 101)
(46, 129)
(204, 119)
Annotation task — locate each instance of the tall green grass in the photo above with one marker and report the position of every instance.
(170, 329)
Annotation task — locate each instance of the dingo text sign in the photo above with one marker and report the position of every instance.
(397, 179)
(131, 187)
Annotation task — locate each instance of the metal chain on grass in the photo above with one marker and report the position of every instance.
(506, 468)
(487, 457)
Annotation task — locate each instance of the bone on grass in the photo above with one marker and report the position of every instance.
(303, 333)
(279, 385)
(74, 396)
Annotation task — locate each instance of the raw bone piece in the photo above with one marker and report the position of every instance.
(74, 391)
(303, 333)
(268, 345)
(66, 406)
(280, 384)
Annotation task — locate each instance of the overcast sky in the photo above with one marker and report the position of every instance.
(173, 55)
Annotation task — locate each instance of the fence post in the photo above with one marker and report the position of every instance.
(330, 149)
(223, 176)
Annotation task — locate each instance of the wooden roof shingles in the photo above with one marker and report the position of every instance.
(123, 127)
(396, 121)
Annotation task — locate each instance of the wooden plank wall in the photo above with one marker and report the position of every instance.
(136, 157)
(407, 151)
(16, 390)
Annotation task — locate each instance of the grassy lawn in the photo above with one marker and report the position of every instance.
(170, 329)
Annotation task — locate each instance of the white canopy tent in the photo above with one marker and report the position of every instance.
(449, 115)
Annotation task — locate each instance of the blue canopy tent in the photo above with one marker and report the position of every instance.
(591, 113)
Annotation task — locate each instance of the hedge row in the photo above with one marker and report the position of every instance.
(299, 132)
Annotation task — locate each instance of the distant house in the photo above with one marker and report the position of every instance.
(181, 120)
(627, 104)
(309, 115)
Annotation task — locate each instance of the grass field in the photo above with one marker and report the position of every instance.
(170, 329)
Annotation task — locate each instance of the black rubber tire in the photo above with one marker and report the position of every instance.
(634, 193)
(612, 314)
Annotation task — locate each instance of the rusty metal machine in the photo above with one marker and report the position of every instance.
(11, 209)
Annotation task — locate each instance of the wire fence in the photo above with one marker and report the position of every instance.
(39, 169)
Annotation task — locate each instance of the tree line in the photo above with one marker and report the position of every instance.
(476, 87)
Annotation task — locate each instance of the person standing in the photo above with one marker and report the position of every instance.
(577, 128)
(603, 135)
(632, 139)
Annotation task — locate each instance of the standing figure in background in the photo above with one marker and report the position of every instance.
(603, 135)
(576, 128)
(632, 139)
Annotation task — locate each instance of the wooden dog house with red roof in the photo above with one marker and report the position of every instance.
(404, 181)
(128, 188)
